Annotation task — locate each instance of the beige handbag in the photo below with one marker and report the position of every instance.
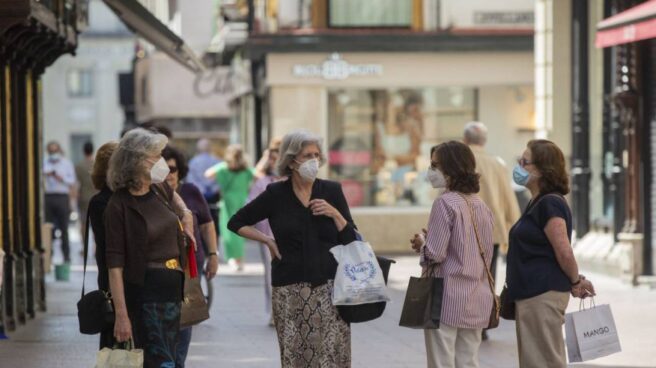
(496, 305)
(120, 358)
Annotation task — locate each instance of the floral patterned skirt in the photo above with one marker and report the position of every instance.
(310, 331)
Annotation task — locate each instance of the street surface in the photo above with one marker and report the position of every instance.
(238, 336)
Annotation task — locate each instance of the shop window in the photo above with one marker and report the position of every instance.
(370, 13)
(379, 141)
(79, 83)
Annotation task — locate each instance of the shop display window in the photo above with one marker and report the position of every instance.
(379, 140)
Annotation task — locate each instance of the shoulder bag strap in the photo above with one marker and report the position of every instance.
(156, 190)
(490, 279)
(86, 250)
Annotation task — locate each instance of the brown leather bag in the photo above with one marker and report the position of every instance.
(496, 305)
(194, 309)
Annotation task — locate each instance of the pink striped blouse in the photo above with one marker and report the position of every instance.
(451, 248)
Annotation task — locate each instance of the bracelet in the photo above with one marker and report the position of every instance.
(212, 254)
(581, 277)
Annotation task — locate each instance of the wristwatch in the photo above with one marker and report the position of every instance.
(213, 254)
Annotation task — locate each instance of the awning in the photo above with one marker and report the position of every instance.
(635, 24)
(146, 25)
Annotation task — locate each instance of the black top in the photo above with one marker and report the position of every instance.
(532, 267)
(304, 240)
(96, 210)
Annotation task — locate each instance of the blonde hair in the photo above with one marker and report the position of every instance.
(101, 164)
(234, 157)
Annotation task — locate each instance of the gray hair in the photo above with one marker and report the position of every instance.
(475, 133)
(203, 145)
(292, 144)
(127, 167)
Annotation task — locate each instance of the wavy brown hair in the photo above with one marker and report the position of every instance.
(101, 164)
(550, 161)
(457, 163)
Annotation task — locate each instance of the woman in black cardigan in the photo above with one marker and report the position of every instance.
(308, 216)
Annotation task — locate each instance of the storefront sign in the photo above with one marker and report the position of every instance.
(335, 68)
(503, 18)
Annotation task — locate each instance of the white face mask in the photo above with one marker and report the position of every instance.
(159, 172)
(309, 169)
(436, 178)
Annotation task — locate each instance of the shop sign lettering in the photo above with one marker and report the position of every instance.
(336, 68)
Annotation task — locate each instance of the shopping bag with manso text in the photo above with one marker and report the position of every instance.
(590, 334)
(359, 278)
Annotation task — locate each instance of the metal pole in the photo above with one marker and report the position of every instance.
(580, 118)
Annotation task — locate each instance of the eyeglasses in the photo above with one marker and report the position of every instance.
(173, 169)
(524, 162)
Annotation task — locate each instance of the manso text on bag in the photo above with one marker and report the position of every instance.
(359, 278)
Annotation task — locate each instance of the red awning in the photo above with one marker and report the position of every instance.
(635, 24)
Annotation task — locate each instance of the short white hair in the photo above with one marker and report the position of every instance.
(292, 144)
(475, 133)
(127, 167)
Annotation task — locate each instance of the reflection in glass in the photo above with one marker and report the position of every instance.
(379, 140)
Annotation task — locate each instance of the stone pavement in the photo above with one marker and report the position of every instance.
(237, 335)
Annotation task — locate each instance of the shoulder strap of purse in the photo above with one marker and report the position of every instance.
(86, 250)
(156, 190)
(490, 279)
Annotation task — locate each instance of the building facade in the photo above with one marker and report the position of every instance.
(383, 83)
(596, 90)
(81, 92)
(33, 34)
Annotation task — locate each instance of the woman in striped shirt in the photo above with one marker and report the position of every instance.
(448, 249)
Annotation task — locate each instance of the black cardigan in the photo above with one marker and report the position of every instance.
(304, 240)
(96, 211)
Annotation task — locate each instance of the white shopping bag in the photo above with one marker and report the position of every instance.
(119, 358)
(591, 333)
(359, 279)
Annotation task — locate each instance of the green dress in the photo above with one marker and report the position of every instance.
(235, 186)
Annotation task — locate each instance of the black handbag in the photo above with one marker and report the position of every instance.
(507, 307)
(422, 308)
(95, 311)
(369, 311)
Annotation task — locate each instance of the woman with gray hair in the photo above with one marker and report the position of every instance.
(308, 216)
(145, 251)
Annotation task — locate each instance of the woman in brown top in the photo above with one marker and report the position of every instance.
(144, 253)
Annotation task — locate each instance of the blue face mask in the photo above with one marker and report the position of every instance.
(520, 175)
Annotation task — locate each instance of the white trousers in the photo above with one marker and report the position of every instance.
(452, 347)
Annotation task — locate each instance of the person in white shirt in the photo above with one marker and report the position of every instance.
(59, 178)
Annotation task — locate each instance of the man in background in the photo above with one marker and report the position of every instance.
(496, 190)
(203, 160)
(59, 176)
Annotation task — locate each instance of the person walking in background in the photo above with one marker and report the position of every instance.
(145, 254)
(60, 180)
(266, 173)
(204, 231)
(496, 190)
(542, 271)
(97, 206)
(234, 177)
(85, 187)
(198, 164)
(449, 249)
(308, 216)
